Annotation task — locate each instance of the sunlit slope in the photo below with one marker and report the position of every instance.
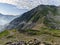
(44, 35)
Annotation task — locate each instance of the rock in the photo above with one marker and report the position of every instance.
(30, 42)
(8, 43)
(21, 43)
(36, 42)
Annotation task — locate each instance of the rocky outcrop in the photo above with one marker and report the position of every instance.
(31, 42)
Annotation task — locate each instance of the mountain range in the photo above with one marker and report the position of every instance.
(6, 18)
(41, 16)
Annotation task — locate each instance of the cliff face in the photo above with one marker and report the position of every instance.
(41, 16)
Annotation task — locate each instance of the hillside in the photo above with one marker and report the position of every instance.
(40, 23)
(41, 16)
(47, 35)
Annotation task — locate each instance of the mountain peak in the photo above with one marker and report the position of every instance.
(43, 15)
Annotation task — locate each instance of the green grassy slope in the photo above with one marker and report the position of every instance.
(44, 34)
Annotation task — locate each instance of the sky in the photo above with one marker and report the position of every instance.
(8, 9)
(17, 7)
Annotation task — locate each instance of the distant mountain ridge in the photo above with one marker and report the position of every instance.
(6, 18)
(41, 16)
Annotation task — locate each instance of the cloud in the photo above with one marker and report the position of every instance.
(29, 4)
(11, 9)
(8, 1)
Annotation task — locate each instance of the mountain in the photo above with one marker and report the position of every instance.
(41, 16)
(40, 23)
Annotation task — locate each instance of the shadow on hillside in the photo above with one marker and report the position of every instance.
(29, 32)
(52, 32)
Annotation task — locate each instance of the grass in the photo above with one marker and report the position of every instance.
(53, 32)
(31, 34)
(4, 33)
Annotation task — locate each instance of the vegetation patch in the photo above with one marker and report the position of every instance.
(4, 33)
(52, 32)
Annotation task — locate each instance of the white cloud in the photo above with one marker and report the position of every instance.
(29, 4)
(8, 1)
(2, 21)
